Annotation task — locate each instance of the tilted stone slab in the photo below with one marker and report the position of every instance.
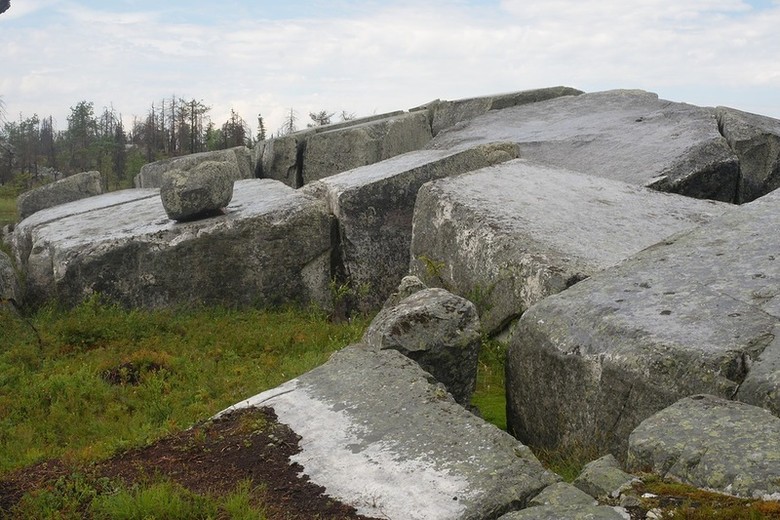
(374, 206)
(712, 443)
(450, 113)
(22, 236)
(239, 158)
(696, 313)
(563, 512)
(271, 246)
(756, 141)
(75, 187)
(508, 236)
(379, 434)
(631, 136)
(329, 152)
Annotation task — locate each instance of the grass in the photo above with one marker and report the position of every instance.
(103, 379)
(8, 194)
(489, 396)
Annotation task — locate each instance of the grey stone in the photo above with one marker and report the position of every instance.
(756, 141)
(438, 330)
(712, 443)
(207, 188)
(334, 151)
(282, 158)
(239, 158)
(75, 187)
(374, 206)
(603, 478)
(631, 136)
(449, 113)
(562, 512)
(408, 286)
(378, 434)
(22, 241)
(9, 282)
(508, 236)
(563, 494)
(271, 246)
(693, 314)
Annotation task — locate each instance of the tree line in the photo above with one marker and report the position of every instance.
(33, 149)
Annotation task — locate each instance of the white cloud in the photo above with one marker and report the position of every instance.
(392, 55)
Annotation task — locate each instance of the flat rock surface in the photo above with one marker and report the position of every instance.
(510, 235)
(271, 245)
(697, 313)
(626, 135)
(561, 512)
(380, 435)
(712, 443)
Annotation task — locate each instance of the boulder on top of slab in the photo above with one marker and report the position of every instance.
(508, 236)
(203, 191)
(271, 246)
(626, 135)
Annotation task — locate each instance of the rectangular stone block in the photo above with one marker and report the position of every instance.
(508, 236)
(271, 246)
(696, 313)
(374, 206)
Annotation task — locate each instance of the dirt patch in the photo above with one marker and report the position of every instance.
(211, 458)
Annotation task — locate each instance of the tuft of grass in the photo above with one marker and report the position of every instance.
(105, 379)
(77, 496)
(8, 194)
(490, 396)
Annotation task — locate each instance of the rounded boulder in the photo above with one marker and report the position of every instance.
(197, 193)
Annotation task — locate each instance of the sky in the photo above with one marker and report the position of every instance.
(367, 57)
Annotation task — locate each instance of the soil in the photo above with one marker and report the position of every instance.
(211, 458)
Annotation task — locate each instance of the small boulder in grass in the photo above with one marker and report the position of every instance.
(197, 193)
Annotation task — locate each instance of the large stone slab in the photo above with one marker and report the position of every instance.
(756, 141)
(508, 236)
(329, 152)
(239, 158)
(379, 434)
(631, 136)
(281, 157)
(712, 443)
(271, 246)
(697, 313)
(75, 187)
(374, 206)
(450, 113)
(22, 235)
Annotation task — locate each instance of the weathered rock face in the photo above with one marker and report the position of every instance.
(374, 206)
(9, 283)
(381, 436)
(712, 443)
(330, 152)
(603, 478)
(562, 512)
(239, 158)
(438, 330)
(631, 136)
(697, 313)
(281, 158)
(75, 187)
(271, 246)
(201, 192)
(449, 113)
(756, 141)
(508, 236)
